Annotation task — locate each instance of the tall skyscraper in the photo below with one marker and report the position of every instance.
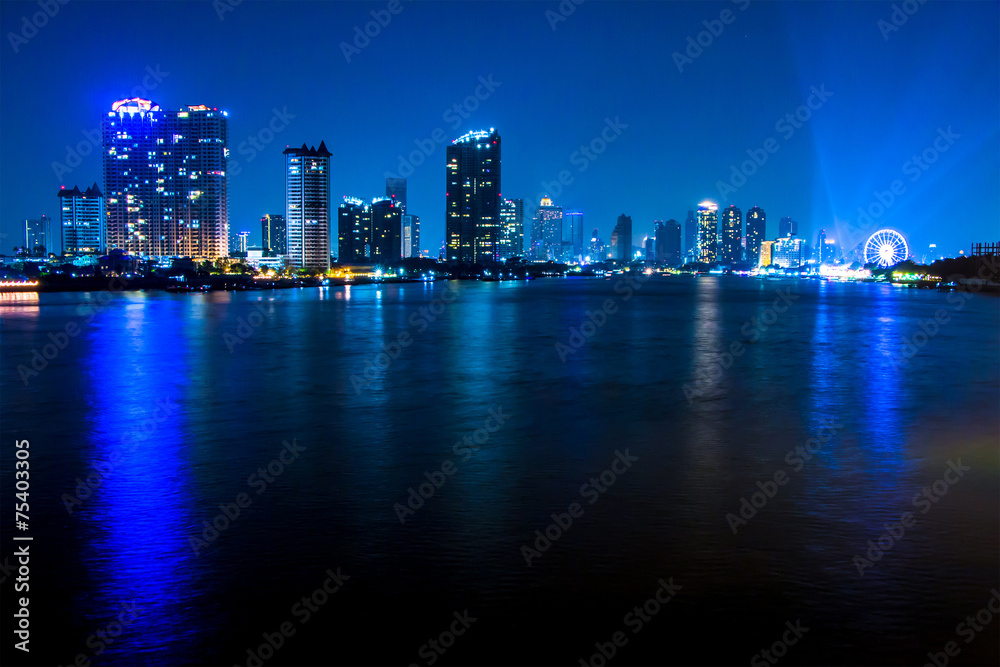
(550, 221)
(165, 180)
(708, 232)
(756, 231)
(472, 211)
(273, 234)
(574, 232)
(82, 220)
(787, 227)
(38, 235)
(668, 242)
(690, 234)
(732, 235)
(387, 225)
(307, 207)
(354, 232)
(827, 248)
(659, 240)
(242, 242)
(621, 240)
(411, 235)
(395, 189)
(512, 228)
(598, 253)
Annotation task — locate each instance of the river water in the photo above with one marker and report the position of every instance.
(705, 461)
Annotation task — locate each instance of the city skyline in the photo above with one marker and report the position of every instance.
(814, 176)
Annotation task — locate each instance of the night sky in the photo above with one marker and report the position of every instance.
(555, 89)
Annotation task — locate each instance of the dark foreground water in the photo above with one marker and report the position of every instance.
(184, 401)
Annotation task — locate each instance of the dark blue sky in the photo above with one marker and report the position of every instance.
(892, 91)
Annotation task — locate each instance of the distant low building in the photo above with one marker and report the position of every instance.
(789, 252)
(82, 220)
(766, 248)
(258, 259)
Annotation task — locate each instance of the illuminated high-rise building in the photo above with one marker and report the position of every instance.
(38, 235)
(765, 253)
(165, 183)
(273, 234)
(756, 231)
(242, 242)
(731, 250)
(387, 228)
(472, 209)
(826, 248)
(788, 252)
(512, 228)
(411, 235)
(354, 233)
(708, 232)
(598, 252)
(307, 207)
(82, 220)
(550, 222)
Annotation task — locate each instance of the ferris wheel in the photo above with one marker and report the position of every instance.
(886, 248)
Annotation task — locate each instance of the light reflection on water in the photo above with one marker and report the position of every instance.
(290, 374)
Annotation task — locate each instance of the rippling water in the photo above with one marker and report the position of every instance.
(185, 400)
